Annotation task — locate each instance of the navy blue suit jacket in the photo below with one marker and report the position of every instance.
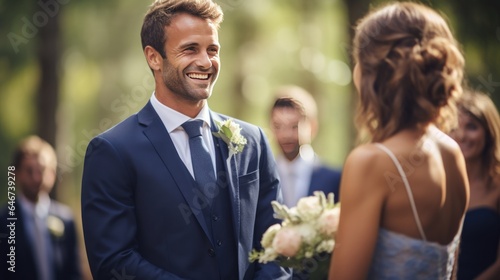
(325, 179)
(66, 261)
(140, 214)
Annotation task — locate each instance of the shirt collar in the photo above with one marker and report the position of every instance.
(299, 162)
(173, 119)
(40, 208)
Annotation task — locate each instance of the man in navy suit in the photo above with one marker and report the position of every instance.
(294, 125)
(144, 214)
(38, 236)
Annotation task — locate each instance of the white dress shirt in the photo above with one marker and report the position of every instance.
(295, 177)
(172, 120)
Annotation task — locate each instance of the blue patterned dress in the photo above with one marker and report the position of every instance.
(398, 256)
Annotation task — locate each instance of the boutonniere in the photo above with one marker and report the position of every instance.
(230, 132)
(55, 226)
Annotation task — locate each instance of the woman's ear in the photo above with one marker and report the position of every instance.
(153, 58)
(356, 76)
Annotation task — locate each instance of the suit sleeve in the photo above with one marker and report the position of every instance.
(108, 216)
(269, 191)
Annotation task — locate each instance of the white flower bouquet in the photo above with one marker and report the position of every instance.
(306, 236)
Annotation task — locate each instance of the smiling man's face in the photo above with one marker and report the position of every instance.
(191, 66)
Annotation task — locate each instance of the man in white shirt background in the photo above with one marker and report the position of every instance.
(294, 124)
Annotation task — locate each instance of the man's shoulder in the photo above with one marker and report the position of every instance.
(122, 126)
(326, 173)
(324, 168)
(121, 133)
(61, 210)
(133, 122)
(242, 123)
(247, 129)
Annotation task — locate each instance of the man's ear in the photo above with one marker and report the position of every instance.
(314, 128)
(308, 129)
(153, 58)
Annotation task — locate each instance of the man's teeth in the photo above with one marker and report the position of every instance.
(198, 76)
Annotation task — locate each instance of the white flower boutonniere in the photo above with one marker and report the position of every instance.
(230, 132)
(56, 226)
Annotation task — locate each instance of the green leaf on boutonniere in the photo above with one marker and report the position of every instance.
(230, 133)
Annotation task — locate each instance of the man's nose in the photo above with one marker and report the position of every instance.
(203, 60)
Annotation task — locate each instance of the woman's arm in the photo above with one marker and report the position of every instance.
(363, 191)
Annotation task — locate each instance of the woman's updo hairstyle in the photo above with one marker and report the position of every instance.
(411, 70)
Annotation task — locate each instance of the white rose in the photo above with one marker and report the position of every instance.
(309, 207)
(235, 128)
(328, 222)
(307, 231)
(287, 241)
(326, 246)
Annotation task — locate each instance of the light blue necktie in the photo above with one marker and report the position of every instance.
(200, 158)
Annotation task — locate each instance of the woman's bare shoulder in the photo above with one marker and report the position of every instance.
(363, 178)
(365, 153)
(367, 159)
(447, 146)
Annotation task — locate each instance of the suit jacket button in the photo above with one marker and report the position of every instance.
(215, 218)
(211, 252)
(219, 243)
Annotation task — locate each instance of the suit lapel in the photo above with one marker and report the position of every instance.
(160, 139)
(232, 169)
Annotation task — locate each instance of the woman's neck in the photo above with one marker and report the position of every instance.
(475, 169)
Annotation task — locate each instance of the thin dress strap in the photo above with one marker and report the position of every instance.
(407, 186)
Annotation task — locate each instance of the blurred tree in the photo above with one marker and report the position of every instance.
(477, 24)
(355, 10)
(48, 56)
(32, 29)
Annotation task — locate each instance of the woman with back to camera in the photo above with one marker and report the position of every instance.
(478, 135)
(404, 193)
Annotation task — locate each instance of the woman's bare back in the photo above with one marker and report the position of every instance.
(435, 169)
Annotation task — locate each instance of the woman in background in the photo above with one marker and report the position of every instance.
(478, 135)
(404, 194)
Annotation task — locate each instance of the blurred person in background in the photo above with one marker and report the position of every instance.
(294, 124)
(46, 246)
(478, 135)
